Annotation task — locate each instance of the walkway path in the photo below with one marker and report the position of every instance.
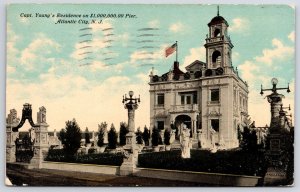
(44, 177)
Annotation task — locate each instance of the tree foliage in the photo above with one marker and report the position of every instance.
(112, 137)
(156, 138)
(146, 135)
(249, 138)
(167, 136)
(87, 136)
(139, 138)
(102, 128)
(71, 137)
(123, 131)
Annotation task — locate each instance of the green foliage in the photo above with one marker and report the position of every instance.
(156, 138)
(167, 136)
(102, 128)
(227, 162)
(139, 138)
(123, 131)
(100, 141)
(146, 135)
(58, 155)
(249, 141)
(71, 138)
(87, 136)
(112, 137)
(91, 150)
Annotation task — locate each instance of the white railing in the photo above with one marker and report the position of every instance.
(186, 107)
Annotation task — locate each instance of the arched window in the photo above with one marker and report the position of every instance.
(216, 59)
(217, 32)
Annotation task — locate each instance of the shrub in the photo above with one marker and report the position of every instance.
(112, 137)
(167, 136)
(123, 131)
(58, 155)
(139, 138)
(87, 136)
(155, 136)
(146, 135)
(100, 141)
(227, 162)
(91, 150)
(71, 137)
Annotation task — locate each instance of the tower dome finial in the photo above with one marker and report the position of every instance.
(218, 11)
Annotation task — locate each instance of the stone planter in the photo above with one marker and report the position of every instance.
(155, 148)
(88, 145)
(168, 147)
(101, 149)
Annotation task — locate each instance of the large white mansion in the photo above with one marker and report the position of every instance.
(210, 98)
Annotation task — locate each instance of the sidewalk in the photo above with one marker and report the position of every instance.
(44, 177)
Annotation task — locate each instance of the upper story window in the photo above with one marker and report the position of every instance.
(188, 98)
(215, 95)
(160, 99)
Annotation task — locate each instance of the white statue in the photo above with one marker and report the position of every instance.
(185, 143)
(213, 142)
(32, 134)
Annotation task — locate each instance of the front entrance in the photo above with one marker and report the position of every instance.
(181, 120)
(24, 149)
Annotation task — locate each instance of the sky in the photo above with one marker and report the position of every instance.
(82, 70)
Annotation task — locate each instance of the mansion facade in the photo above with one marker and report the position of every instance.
(209, 98)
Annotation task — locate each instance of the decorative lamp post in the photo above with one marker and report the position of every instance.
(278, 139)
(275, 100)
(131, 104)
(130, 159)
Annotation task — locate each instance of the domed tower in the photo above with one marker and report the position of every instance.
(218, 45)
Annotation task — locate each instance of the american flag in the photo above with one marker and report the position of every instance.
(171, 49)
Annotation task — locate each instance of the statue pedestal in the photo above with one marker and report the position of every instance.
(275, 177)
(41, 146)
(11, 154)
(38, 157)
(128, 166)
(278, 158)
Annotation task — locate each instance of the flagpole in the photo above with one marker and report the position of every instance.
(176, 52)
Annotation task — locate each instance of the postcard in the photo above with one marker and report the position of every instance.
(150, 95)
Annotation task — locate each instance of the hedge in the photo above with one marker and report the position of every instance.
(227, 162)
(59, 155)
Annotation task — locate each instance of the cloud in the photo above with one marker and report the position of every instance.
(249, 70)
(72, 96)
(11, 50)
(279, 52)
(176, 27)
(291, 36)
(197, 53)
(257, 71)
(154, 23)
(38, 52)
(238, 25)
(143, 55)
(10, 69)
(235, 56)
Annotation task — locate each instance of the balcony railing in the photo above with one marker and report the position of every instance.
(215, 39)
(186, 107)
